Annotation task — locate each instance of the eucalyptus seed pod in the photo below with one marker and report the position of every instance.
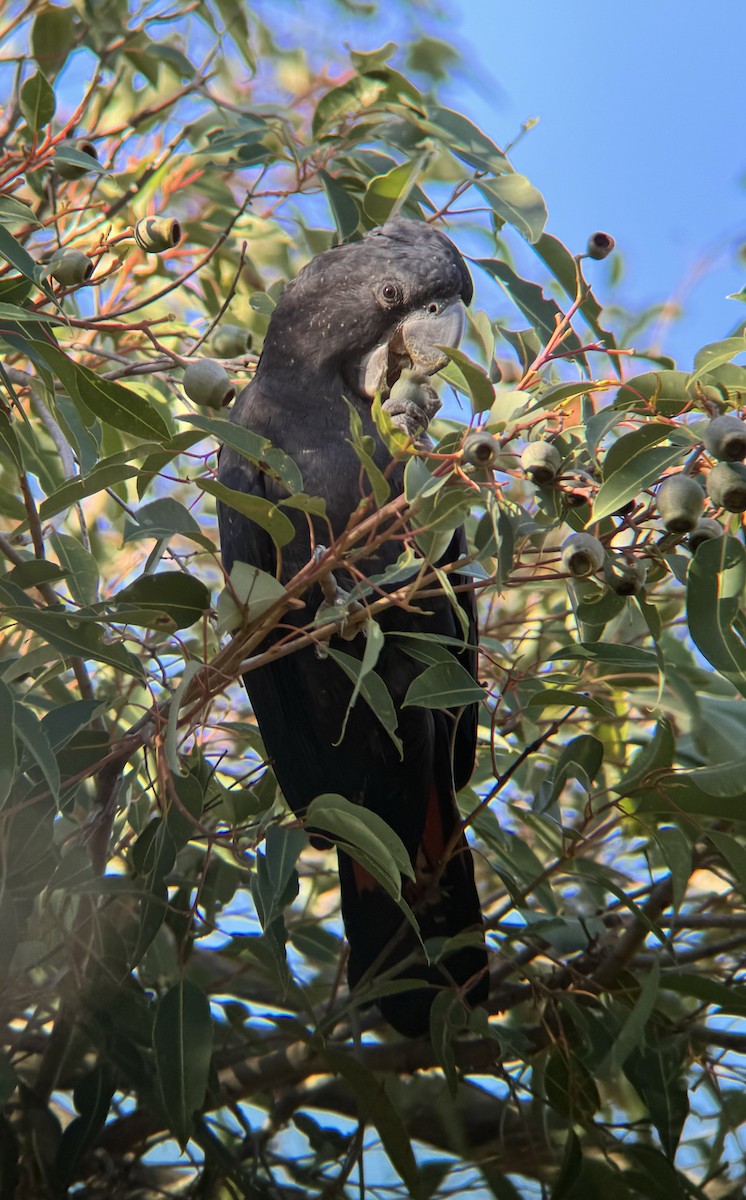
(726, 486)
(69, 170)
(625, 576)
(208, 384)
(230, 341)
(70, 267)
(706, 530)
(156, 234)
(600, 245)
(542, 461)
(725, 438)
(412, 403)
(680, 501)
(480, 449)
(582, 554)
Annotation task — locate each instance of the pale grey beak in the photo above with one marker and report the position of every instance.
(415, 344)
(424, 332)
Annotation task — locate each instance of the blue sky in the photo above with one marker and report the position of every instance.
(642, 129)
(642, 132)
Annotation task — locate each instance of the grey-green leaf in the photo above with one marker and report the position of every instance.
(182, 1044)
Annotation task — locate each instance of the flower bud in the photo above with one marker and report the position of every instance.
(705, 530)
(69, 170)
(480, 449)
(230, 341)
(156, 234)
(207, 383)
(600, 245)
(582, 554)
(625, 576)
(680, 501)
(725, 438)
(542, 461)
(70, 267)
(726, 486)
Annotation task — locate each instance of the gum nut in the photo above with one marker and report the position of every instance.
(625, 576)
(68, 170)
(230, 341)
(726, 486)
(542, 461)
(726, 438)
(410, 387)
(70, 267)
(600, 245)
(582, 554)
(207, 383)
(680, 501)
(704, 531)
(156, 234)
(480, 449)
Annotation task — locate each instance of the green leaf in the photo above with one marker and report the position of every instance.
(69, 632)
(655, 756)
(634, 462)
(446, 685)
(469, 377)
(633, 1029)
(35, 571)
(612, 657)
(374, 692)
(252, 446)
(355, 829)
(567, 271)
(734, 854)
(53, 36)
(119, 406)
(80, 567)
(666, 392)
(14, 253)
(9, 440)
(181, 597)
(466, 140)
(268, 516)
(8, 742)
(61, 724)
(255, 591)
(383, 191)
(564, 698)
(37, 102)
(360, 444)
(540, 312)
(34, 740)
(92, 1097)
(344, 207)
(11, 312)
(655, 1068)
(727, 997)
(447, 1021)
(182, 1044)
(163, 519)
(570, 1087)
(513, 199)
(14, 211)
(346, 100)
(75, 490)
(715, 584)
(715, 354)
(376, 1105)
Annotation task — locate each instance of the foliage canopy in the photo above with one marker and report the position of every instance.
(174, 1020)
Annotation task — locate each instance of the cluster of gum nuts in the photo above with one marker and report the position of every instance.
(680, 500)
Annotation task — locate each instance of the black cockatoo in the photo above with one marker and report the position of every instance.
(342, 331)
